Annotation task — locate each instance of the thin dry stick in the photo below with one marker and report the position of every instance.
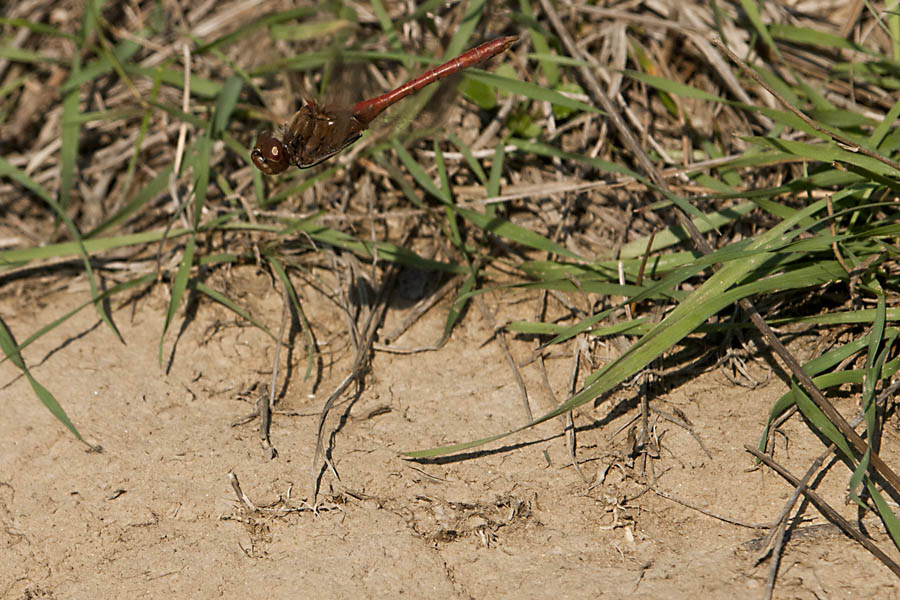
(826, 510)
(179, 154)
(236, 486)
(266, 406)
(826, 407)
(850, 23)
(684, 425)
(780, 531)
(494, 126)
(18, 41)
(501, 339)
(624, 132)
(805, 380)
(708, 513)
(834, 245)
(568, 420)
(185, 107)
(721, 67)
(580, 345)
(348, 312)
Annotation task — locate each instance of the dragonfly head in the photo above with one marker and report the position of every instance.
(269, 154)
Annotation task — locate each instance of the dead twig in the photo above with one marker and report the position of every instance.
(709, 513)
(827, 511)
(500, 334)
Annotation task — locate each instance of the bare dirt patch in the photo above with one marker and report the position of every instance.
(154, 513)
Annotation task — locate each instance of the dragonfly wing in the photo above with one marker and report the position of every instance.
(324, 133)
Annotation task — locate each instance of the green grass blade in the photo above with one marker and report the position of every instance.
(632, 327)
(515, 233)
(150, 191)
(751, 9)
(311, 350)
(230, 305)
(176, 112)
(542, 149)
(812, 37)
(465, 29)
(8, 170)
(541, 47)
(884, 127)
(442, 172)
(8, 345)
(459, 303)
(200, 86)
(295, 190)
(418, 173)
(676, 235)
(178, 288)
(467, 154)
(493, 185)
(873, 374)
(116, 289)
(41, 28)
(387, 25)
(408, 190)
(529, 90)
(21, 55)
(201, 176)
(826, 381)
(827, 152)
(885, 511)
(300, 32)
(100, 67)
(225, 104)
(267, 20)
(818, 419)
(19, 256)
(386, 250)
(71, 129)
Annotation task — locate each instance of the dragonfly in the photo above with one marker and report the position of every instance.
(316, 133)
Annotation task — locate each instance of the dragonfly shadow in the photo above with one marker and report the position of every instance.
(404, 288)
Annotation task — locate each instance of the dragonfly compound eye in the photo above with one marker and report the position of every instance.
(269, 154)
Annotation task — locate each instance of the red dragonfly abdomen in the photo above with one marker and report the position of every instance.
(367, 110)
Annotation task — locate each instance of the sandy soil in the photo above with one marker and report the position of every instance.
(155, 515)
